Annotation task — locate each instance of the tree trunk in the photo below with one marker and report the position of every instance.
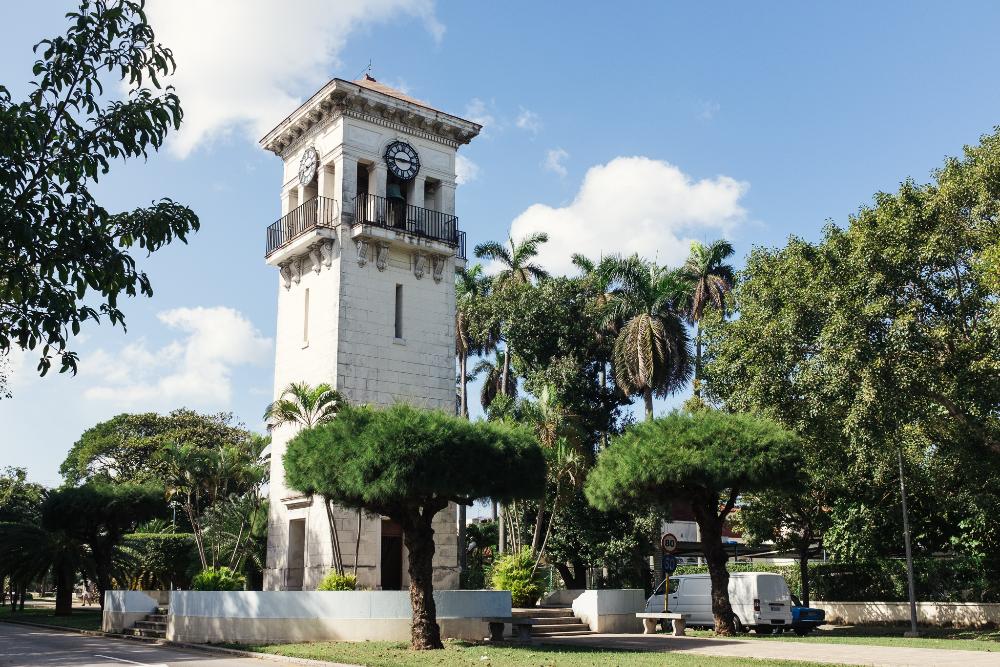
(418, 535)
(697, 359)
(536, 536)
(64, 590)
(575, 579)
(493, 511)
(647, 395)
(357, 548)
(463, 548)
(338, 561)
(506, 371)
(706, 511)
(463, 362)
(501, 531)
(804, 574)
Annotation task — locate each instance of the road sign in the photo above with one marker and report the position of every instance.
(668, 543)
(669, 564)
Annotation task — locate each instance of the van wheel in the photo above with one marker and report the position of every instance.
(738, 625)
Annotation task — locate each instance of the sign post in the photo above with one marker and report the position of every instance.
(668, 542)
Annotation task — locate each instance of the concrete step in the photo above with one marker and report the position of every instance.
(559, 628)
(145, 632)
(151, 625)
(541, 612)
(156, 618)
(566, 633)
(555, 620)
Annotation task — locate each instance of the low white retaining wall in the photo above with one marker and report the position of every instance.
(299, 616)
(123, 608)
(610, 610)
(959, 614)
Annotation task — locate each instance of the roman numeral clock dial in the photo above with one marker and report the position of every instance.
(402, 160)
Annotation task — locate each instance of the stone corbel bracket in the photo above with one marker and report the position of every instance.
(362, 247)
(419, 264)
(296, 270)
(286, 274)
(381, 256)
(439, 262)
(314, 257)
(326, 252)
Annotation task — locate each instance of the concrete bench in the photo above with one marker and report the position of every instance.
(649, 621)
(521, 627)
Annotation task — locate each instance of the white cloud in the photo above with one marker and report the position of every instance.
(193, 370)
(466, 170)
(479, 112)
(708, 110)
(246, 64)
(554, 161)
(634, 205)
(528, 121)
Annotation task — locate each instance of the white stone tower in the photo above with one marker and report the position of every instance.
(366, 252)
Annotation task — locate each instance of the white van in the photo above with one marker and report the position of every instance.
(760, 600)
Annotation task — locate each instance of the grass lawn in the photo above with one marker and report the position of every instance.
(965, 639)
(463, 654)
(80, 619)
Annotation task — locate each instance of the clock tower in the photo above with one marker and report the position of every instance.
(365, 251)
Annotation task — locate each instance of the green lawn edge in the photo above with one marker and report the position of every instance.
(80, 619)
(463, 654)
(953, 639)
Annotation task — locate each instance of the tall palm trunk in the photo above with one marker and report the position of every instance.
(647, 396)
(463, 363)
(506, 370)
(697, 359)
(536, 537)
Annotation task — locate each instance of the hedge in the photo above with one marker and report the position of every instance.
(935, 580)
(158, 561)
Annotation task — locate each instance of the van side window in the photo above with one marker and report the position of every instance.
(674, 585)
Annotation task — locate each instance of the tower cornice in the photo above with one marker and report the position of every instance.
(344, 98)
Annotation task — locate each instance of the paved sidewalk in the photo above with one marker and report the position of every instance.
(844, 654)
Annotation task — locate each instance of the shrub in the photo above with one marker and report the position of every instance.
(512, 572)
(158, 561)
(218, 579)
(338, 582)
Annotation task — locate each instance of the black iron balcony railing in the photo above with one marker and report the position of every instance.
(315, 212)
(395, 214)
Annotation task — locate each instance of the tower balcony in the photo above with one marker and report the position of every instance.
(313, 217)
(385, 219)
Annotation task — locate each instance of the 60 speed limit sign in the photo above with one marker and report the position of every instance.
(668, 543)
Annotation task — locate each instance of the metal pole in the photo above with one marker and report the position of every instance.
(909, 553)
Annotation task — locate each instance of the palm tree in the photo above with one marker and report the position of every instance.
(493, 383)
(304, 405)
(711, 280)
(470, 287)
(651, 354)
(308, 406)
(517, 269)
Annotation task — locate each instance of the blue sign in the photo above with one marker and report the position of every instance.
(669, 564)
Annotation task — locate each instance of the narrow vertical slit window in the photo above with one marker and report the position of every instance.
(399, 311)
(305, 318)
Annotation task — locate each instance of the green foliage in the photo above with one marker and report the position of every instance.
(99, 515)
(393, 460)
(683, 455)
(126, 448)
(408, 464)
(334, 581)
(64, 258)
(159, 561)
(20, 500)
(304, 405)
(218, 579)
(515, 573)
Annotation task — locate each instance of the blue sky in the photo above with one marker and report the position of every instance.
(755, 121)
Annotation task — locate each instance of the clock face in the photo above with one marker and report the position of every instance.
(308, 165)
(402, 160)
